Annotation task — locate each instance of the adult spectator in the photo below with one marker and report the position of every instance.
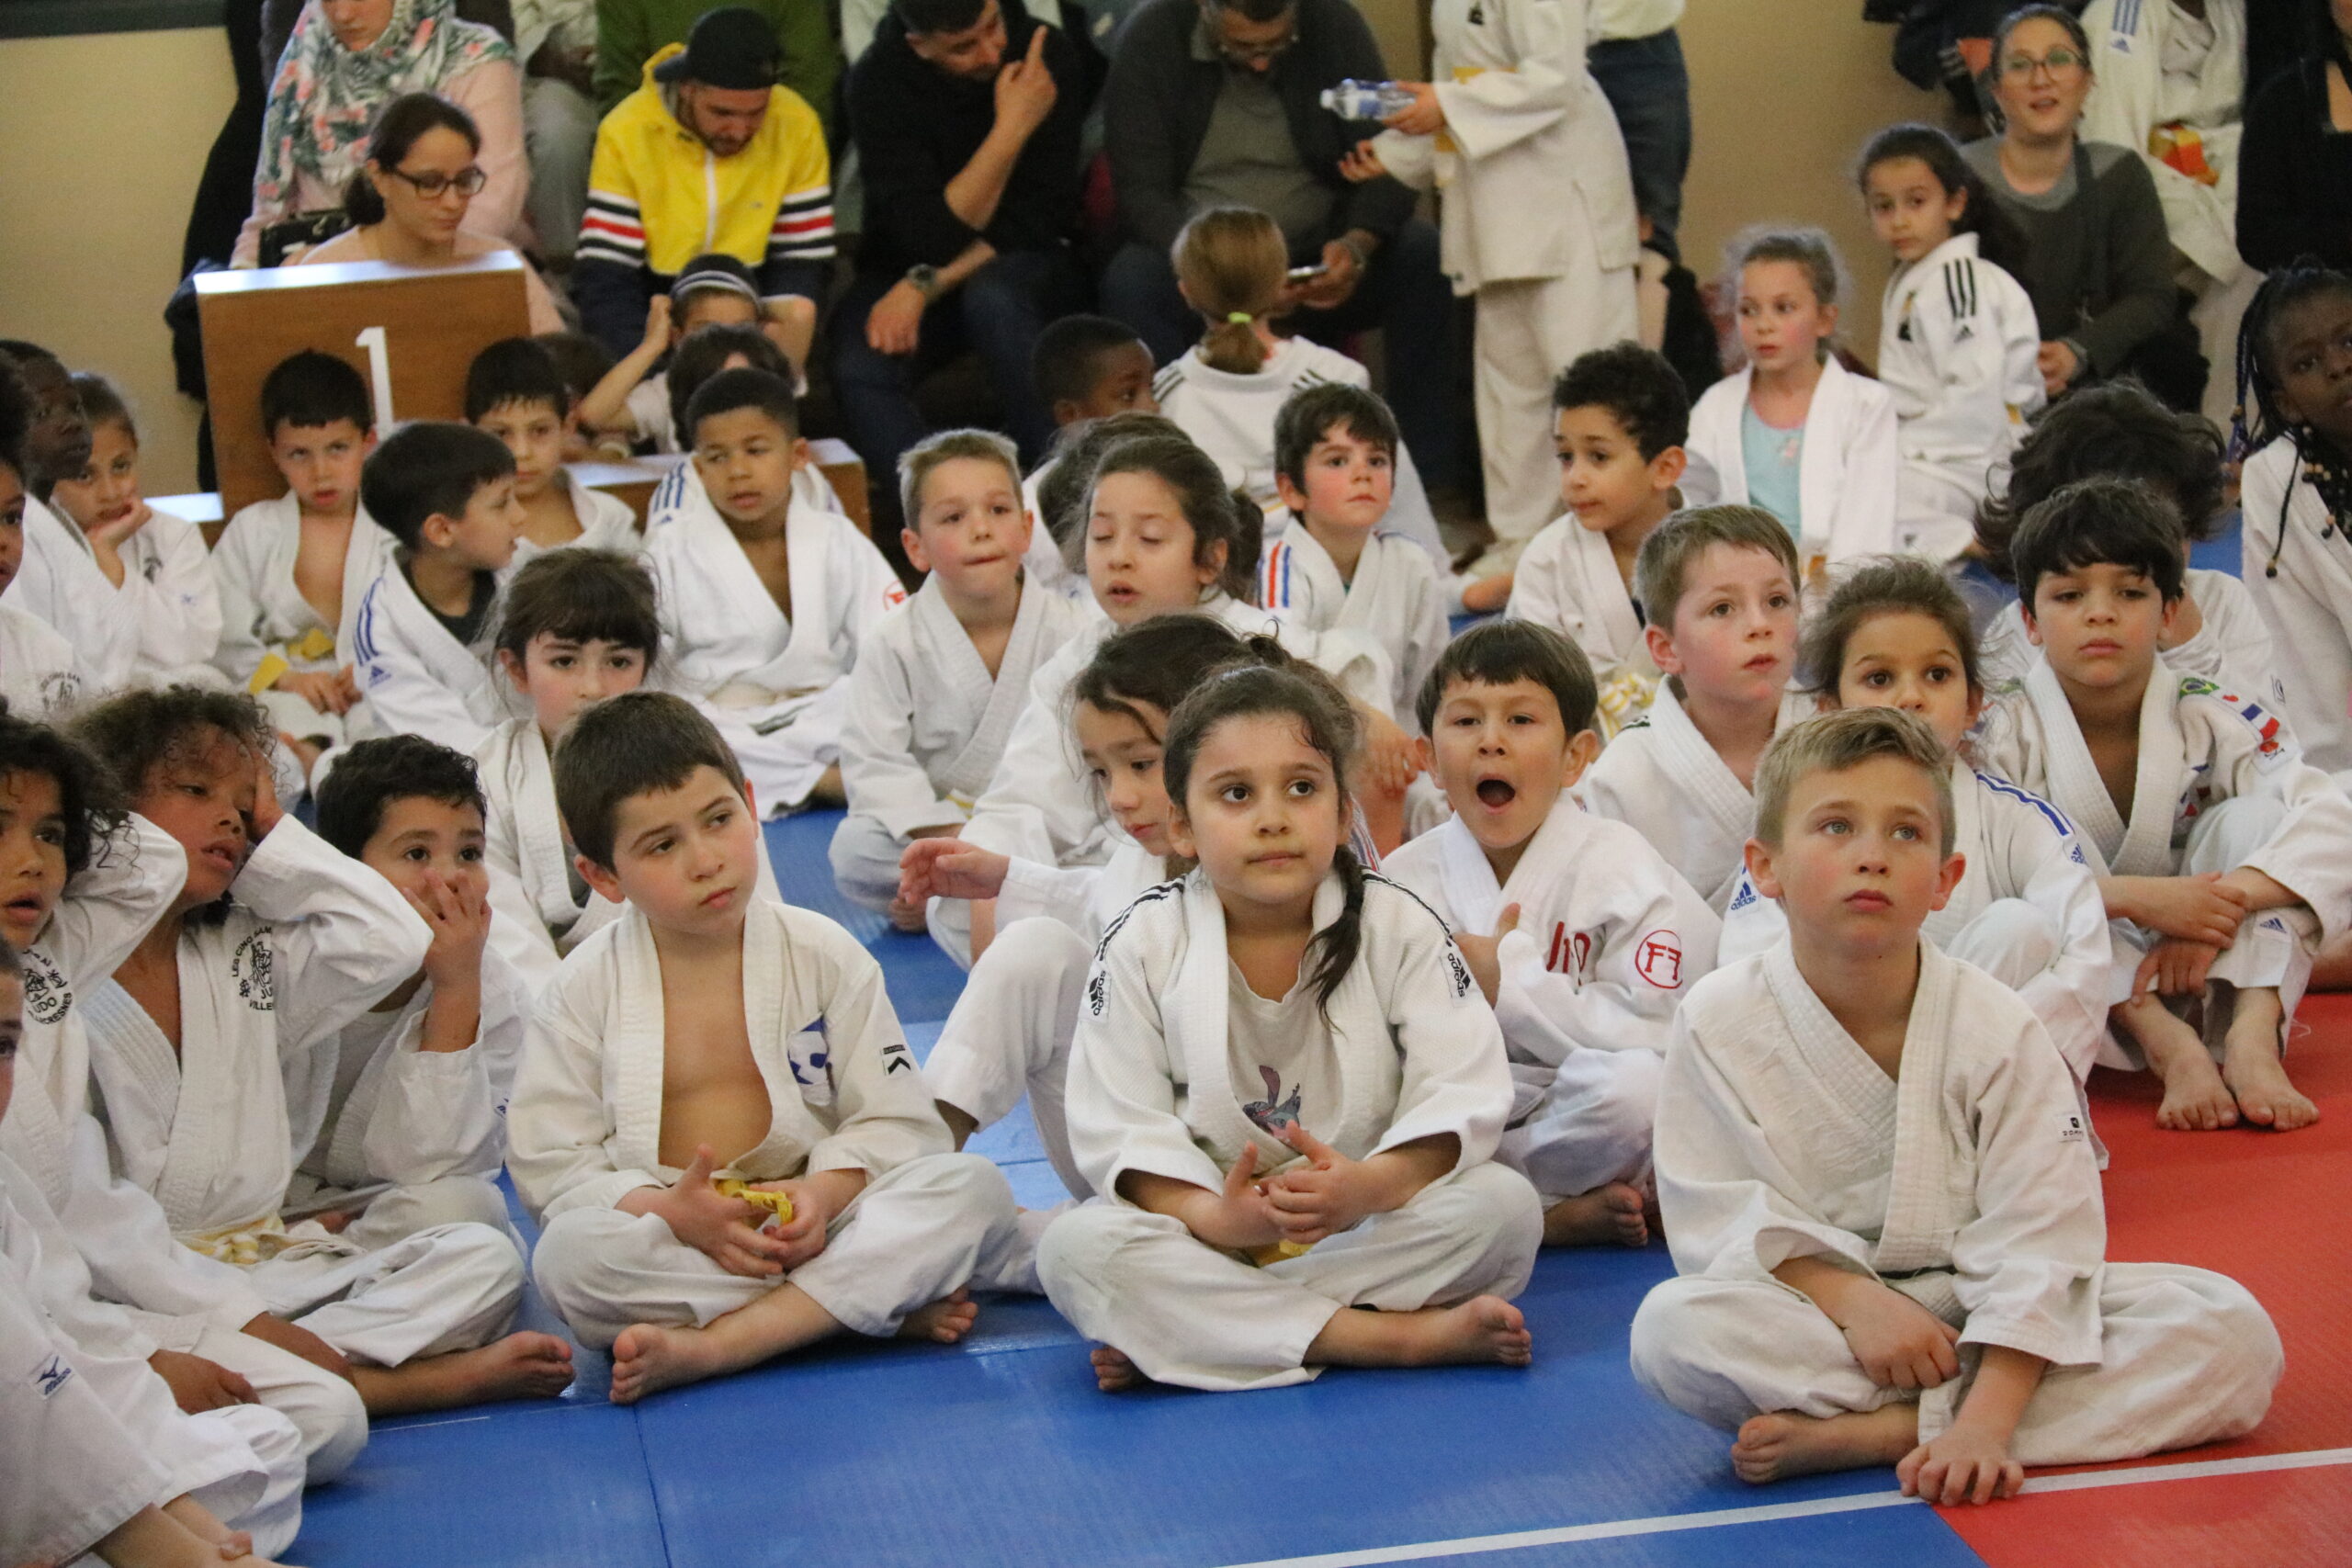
(2295, 165)
(1636, 57)
(279, 17)
(708, 156)
(2098, 264)
(556, 40)
(346, 60)
(408, 202)
(630, 32)
(1216, 103)
(965, 120)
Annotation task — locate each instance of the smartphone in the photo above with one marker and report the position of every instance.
(1307, 274)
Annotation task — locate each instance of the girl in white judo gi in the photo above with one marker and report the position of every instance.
(1896, 633)
(1880, 1189)
(1794, 431)
(98, 1458)
(1535, 208)
(1285, 1087)
(940, 684)
(274, 943)
(1958, 344)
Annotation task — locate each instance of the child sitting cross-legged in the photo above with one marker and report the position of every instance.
(1881, 1194)
(1580, 934)
(944, 677)
(2224, 858)
(514, 391)
(1285, 1087)
(778, 1174)
(1718, 586)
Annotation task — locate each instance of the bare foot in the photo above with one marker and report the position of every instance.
(1486, 1330)
(1615, 1213)
(943, 1320)
(648, 1359)
(2251, 1067)
(1113, 1372)
(2196, 1099)
(521, 1366)
(907, 918)
(1773, 1448)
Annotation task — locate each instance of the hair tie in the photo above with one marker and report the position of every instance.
(1239, 318)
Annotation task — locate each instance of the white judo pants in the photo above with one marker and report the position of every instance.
(1592, 1125)
(398, 1213)
(2186, 1356)
(1935, 507)
(1189, 1313)
(866, 862)
(1009, 1034)
(448, 1287)
(325, 1409)
(917, 1233)
(1529, 330)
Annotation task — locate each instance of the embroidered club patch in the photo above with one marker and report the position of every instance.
(1659, 959)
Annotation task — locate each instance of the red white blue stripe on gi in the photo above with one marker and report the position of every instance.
(1274, 578)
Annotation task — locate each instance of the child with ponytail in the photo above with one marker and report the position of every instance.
(1285, 1087)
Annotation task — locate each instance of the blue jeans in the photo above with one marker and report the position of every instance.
(1647, 86)
(998, 313)
(1404, 293)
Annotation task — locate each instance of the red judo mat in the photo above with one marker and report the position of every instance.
(2273, 1211)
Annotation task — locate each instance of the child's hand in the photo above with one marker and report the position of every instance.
(1963, 1465)
(1899, 1343)
(1480, 952)
(1487, 594)
(949, 868)
(1424, 117)
(803, 1236)
(1390, 760)
(1362, 163)
(114, 535)
(725, 1230)
(2194, 909)
(198, 1385)
(322, 690)
(460, 925)
(1331, 1193)
(268, 812)
(1239, 1218)
(2174, 968)
(657, 325)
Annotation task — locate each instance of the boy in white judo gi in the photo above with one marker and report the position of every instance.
(765, 599)
(1582, 937)
(401, 1114)
(273, 945)
(1718, 585)
(2224, 858)
(514, 392)
(1619, 419)
(717, 1117)
(944, 676)
(97, 1458)
(446, 493)
(1880, 1190)
(80, 895)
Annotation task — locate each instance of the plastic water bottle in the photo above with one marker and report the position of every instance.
(1353, 99)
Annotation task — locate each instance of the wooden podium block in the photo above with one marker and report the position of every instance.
(410, 332)
(200, 507)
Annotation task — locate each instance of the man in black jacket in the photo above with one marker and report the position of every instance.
(967, 122)
(1216, 103)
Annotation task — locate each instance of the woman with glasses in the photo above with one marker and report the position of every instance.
(346, 61)
(2099, 262)
(409, 201)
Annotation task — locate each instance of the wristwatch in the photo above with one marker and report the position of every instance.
(925, 279)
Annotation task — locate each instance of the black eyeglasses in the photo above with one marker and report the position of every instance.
(467, 182)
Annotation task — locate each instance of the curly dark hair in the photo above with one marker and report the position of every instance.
(86, 788)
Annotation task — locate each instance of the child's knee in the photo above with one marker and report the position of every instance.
(1676, 1344)
(2011, 940)
(453, 1201)
(1489, 1205)
(1628, 1105)
(2227, 834)
(1081, 1250)
(970, 1185)
(329, 1413)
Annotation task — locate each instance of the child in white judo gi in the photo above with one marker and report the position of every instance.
(2224, 858)
(1958, 347)
(944, 677)
(1718, 586)
(446, 493)
(1619, 419)
(717, 1118)
(84, 885)
(39, 675)
(98, 1458)
(1896, 633)
(292, 571)
(702, 355)
(514, 392)
(1880, 1190)
(1537, 224)
(155, 562)
(2221, 629)
(1794, 431)
(766, 601)
(1285, 1089)
(273, 945)
(1581, 936)
(1010, 1031)
(633, 399)
(1057, 492)
(58, 580)
(401, 1116)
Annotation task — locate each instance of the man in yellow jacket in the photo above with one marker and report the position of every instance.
(709, 154)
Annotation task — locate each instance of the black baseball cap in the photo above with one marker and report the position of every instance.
(733, 48)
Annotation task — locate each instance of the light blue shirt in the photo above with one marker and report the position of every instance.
(1773, 460)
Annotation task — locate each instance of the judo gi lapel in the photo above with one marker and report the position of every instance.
(2144, 846)
(1602, 592)
(999, 699)
(538, 835)
(1703, 776)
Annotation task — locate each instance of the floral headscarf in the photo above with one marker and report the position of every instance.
(325, 99)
